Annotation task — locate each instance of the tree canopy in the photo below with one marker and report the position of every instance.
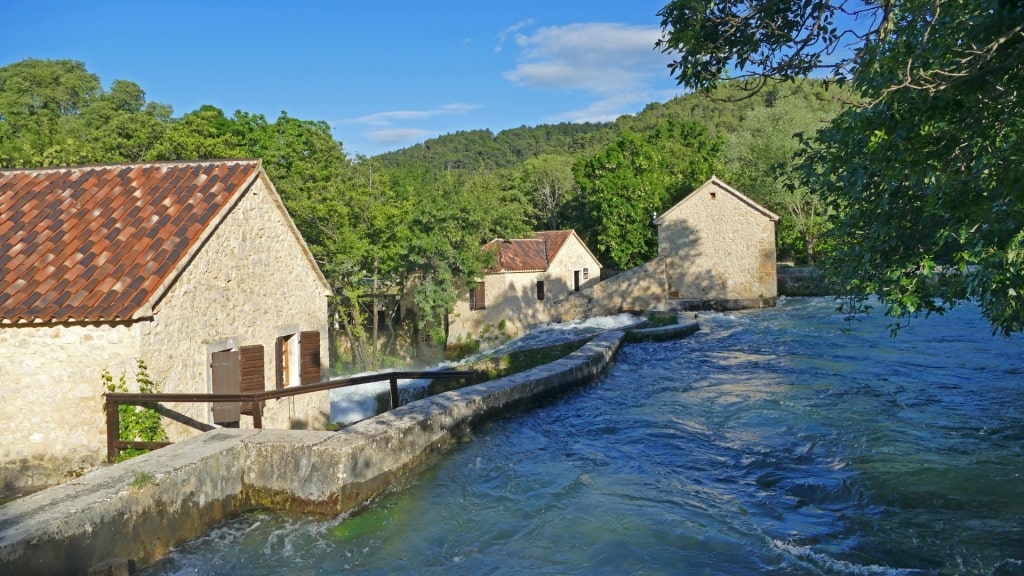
(925, 175)
(412, 221)
(623, 187)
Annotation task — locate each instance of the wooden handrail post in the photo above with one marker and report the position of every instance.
(257, 415)
(394, 393)
(113, 429)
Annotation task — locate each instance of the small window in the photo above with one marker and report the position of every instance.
(286, 359)
(477, 298)
(586, 273)
(540, 289)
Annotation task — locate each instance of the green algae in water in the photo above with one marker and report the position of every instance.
(366, 522)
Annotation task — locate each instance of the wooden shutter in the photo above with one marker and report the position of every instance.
(227, 378)
(252, 375)
(309, 355)
(477, 298)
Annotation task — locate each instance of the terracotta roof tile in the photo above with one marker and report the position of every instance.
(96, 242)
(528, 254)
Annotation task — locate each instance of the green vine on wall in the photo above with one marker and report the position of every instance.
(137, 423)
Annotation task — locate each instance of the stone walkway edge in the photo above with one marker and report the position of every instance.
(137, 510)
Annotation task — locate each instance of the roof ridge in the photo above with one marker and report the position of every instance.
(135, 164)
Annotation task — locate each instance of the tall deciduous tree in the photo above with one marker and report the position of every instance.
(927, 173)
(760, 162)
(548, 181)
(452, 220)
(623, 187)
(54, 112)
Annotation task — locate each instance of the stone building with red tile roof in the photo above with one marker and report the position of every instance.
(195, 268)
(531, 277)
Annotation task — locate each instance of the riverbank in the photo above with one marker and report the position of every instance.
(136, 511)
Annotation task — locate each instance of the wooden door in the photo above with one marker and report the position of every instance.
(227, 379)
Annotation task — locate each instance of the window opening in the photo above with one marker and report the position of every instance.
(477, 298)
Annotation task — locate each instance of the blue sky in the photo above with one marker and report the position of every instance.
(384, 74)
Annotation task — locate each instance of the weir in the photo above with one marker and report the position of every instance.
(137, 510)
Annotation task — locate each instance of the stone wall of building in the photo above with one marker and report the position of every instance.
(717, 247)
(635, 290)
(511, 306)
(560, 276)
(52, 425)
(511, 297)
(251, 283)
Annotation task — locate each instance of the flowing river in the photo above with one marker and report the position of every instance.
(781, 441)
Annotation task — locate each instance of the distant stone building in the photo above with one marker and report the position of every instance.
(532, 276)
(716, 249)
(194, 267)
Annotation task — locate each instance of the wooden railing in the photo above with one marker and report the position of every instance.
(254, 399)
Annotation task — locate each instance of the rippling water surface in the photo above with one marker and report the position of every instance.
(771, 442)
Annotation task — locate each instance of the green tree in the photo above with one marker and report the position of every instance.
(38, 99)
(623, 187)
(54, 112)
(548, 181)
(370, 265)
(925, 174)
(452, 220)
(120, 126)
(203, 134)
(760, 161)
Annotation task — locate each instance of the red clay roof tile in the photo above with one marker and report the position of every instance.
(528, 254)
(96, 242)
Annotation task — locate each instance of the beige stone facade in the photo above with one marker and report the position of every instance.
(716, 248)
(512, 299)
(255, 279)
(250, 281)
(52, 425)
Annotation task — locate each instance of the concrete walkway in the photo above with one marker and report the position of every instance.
(139, 509)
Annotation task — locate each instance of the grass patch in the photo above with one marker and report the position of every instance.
(141, 479)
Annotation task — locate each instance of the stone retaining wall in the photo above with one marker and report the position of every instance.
(802, 281)
(139, 509)
(662, 333)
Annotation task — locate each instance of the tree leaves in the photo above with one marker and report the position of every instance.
(925, 177)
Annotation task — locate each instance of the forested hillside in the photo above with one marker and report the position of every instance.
(373, 223)
(563, 169)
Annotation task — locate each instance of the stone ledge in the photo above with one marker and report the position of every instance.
(139, 509)
(662, 333)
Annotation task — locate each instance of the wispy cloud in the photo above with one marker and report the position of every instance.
(397, 128)
(504, 34)
(615, 63)
(390, 117)
(396, 136)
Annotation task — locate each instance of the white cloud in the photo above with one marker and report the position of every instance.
(607, 109)
(396, 136)
(504, 34)
(601, 58)
(390, 117)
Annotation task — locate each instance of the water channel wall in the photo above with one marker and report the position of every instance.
(803, 281)
(662, 333)
(137, 510)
